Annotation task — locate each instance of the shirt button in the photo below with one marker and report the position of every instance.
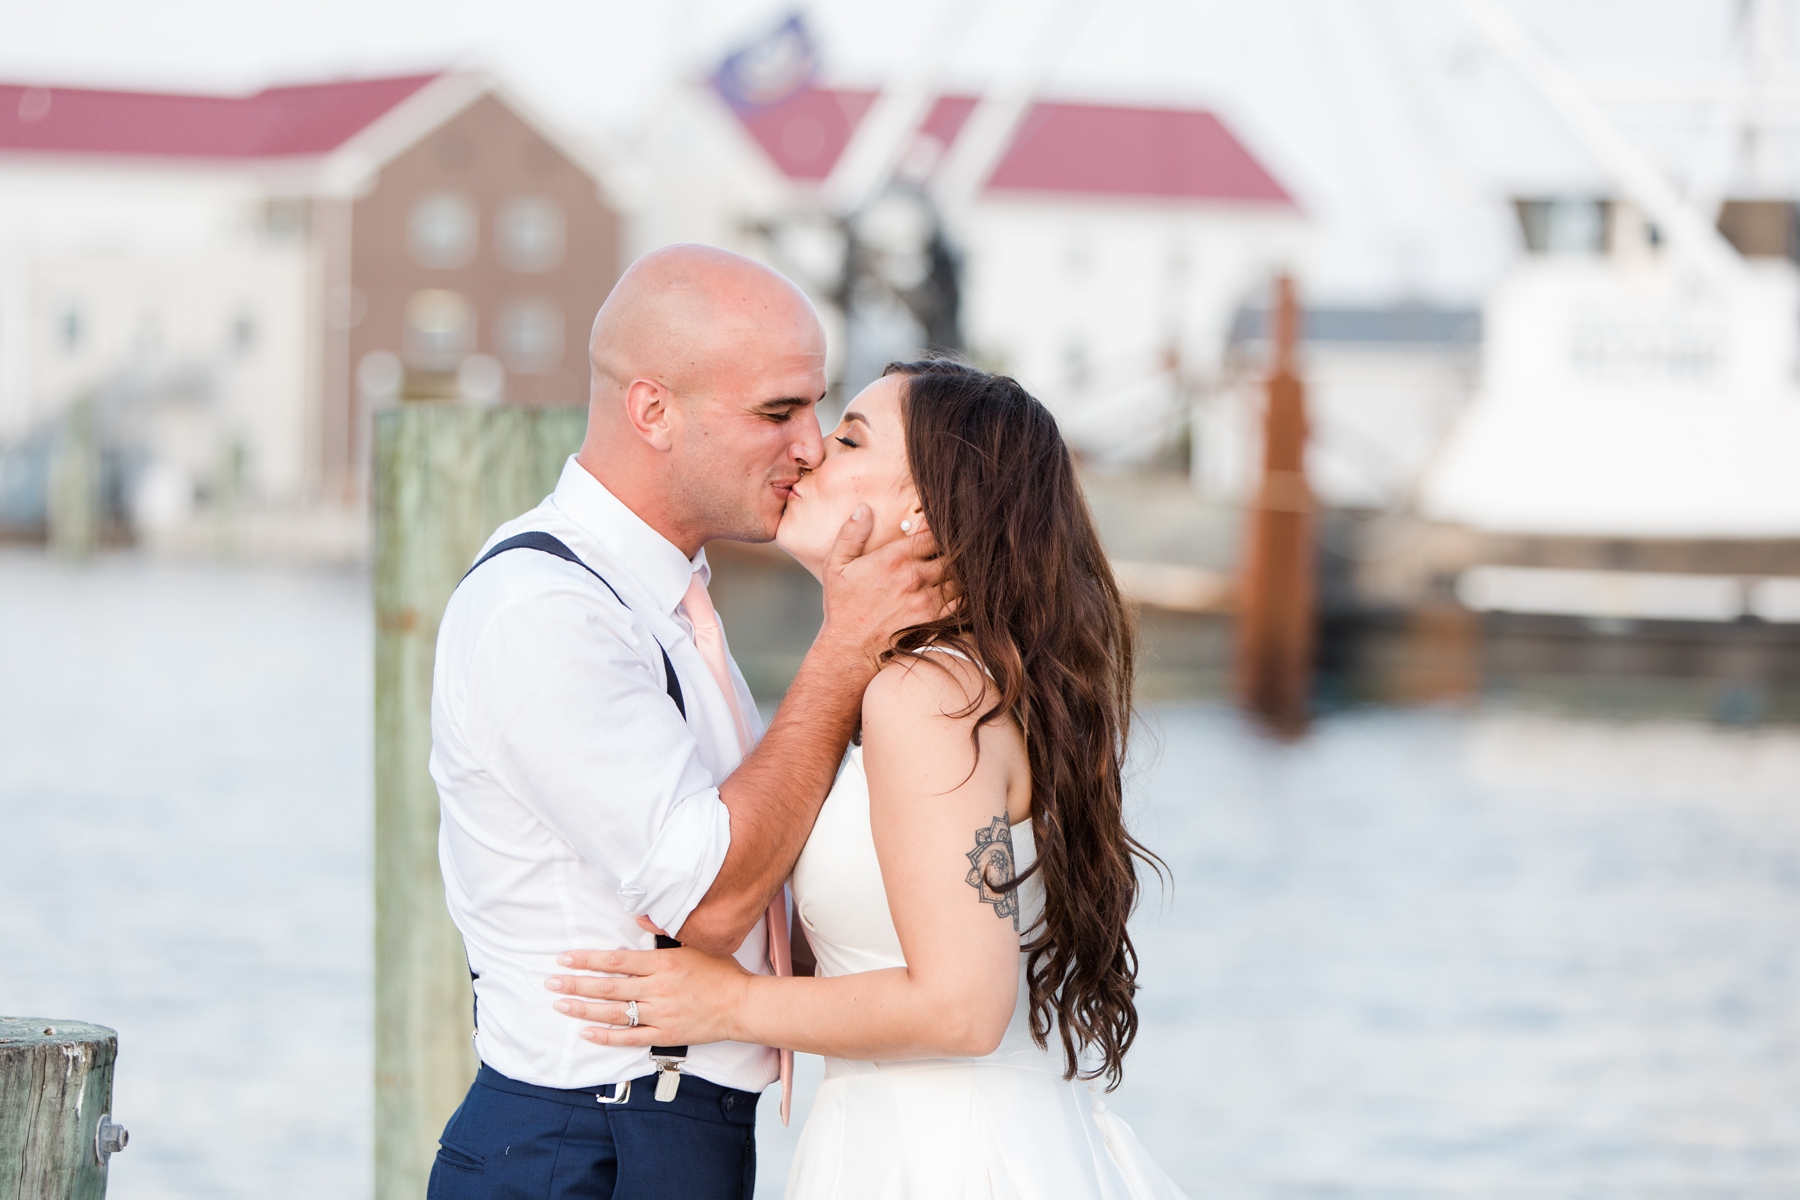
(731, 1102)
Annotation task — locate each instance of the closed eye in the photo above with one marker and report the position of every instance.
(780, 412)
(848, 442)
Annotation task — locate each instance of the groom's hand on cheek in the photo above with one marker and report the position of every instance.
(774, 794)
(869, 597)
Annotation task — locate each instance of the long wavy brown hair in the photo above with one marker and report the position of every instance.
(1041, 611)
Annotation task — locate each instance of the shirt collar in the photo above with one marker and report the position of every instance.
(657, 563)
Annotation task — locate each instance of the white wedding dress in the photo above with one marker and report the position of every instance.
(1007, 1125)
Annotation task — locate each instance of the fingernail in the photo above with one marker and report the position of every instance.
(590, 1035)
(567, 960)
(862, 510)
(563, 1006)
(554, 983)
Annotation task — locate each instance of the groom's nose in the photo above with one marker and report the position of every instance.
(808, 447)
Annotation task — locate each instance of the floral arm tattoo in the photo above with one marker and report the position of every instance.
(991, 868)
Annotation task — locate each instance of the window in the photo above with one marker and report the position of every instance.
(70, 329)
(287, 217)
(531, 335)
(242, 335)
(380, 375)
(530, 233)
(481, 380)
(440, 329)
(1761, 228)
(1563, 226)
(442, 230)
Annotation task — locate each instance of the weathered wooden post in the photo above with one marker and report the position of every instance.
(73, 503)
(445, 476)
(1276, 616)
(56, 1128)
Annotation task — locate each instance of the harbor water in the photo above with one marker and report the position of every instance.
(1419, 954)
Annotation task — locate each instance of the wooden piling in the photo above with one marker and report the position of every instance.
(73, 503)
(1277, 615)
(56, 1135)
(446, 476)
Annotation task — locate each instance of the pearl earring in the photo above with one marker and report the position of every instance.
(906, 527)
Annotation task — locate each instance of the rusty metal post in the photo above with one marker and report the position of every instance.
(1277, 616)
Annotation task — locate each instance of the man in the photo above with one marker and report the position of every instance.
(592, 741)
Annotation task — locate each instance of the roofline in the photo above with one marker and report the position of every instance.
(987, 192)
(1407, 325)
(349, 169)
(342, 171)
(1287, 209)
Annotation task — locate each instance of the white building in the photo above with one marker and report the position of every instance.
(1104, 258)
(160, 293)
(207, 272)
(1384, 386)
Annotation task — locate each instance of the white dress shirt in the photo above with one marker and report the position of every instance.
(574, 796)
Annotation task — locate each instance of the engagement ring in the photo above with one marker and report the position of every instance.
(631, 1017)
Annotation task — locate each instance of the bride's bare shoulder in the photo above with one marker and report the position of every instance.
(927, 685)
(918, 717)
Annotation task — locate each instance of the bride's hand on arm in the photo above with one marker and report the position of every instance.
(942, 835)
(685, 997)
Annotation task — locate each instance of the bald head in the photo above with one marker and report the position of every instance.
(706, 368)
(684, 314)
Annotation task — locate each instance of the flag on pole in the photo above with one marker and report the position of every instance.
(775, 66)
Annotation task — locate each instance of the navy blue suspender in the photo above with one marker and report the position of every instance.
(552, 545)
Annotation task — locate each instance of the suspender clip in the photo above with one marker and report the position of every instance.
(668, 1078)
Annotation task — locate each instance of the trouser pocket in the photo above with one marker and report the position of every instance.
(500, 1146)
(452, 1155)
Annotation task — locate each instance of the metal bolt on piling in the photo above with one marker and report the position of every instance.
(109, 1138)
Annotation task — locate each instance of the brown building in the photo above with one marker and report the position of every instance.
(370, 242)
(478, 256)
(481, 239)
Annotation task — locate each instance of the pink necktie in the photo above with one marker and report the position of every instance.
(709, 639)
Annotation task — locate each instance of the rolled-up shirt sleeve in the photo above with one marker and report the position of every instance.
(681, 863)
(593, 746)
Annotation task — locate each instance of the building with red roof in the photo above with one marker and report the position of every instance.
(1059, 149)
(1105, 253)
(241, 279)
(277, 123)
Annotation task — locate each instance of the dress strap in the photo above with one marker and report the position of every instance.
(934, 648)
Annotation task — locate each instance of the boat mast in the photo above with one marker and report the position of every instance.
(1692, 238)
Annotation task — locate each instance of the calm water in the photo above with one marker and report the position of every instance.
(1420, 955)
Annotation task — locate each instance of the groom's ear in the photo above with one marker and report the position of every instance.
(651, 409)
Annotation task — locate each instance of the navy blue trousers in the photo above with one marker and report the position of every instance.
(512, 1140)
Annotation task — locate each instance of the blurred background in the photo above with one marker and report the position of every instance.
(1434, 371)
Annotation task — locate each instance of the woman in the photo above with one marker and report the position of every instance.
(966, 887)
